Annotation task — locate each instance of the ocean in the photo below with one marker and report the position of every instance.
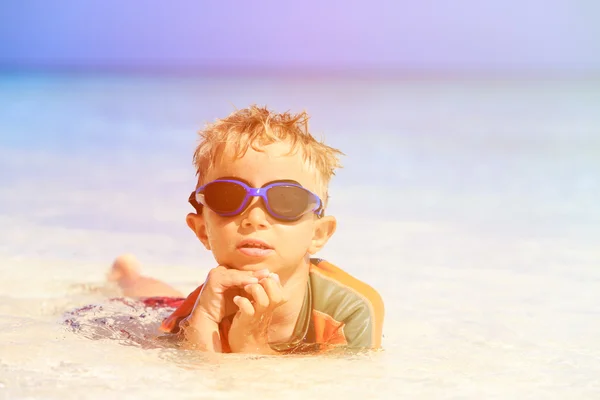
(472, 206)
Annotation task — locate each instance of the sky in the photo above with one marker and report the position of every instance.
(464, 36)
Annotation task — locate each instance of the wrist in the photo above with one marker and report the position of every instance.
(201, 316)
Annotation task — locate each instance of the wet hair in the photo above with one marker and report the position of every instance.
(257, 127)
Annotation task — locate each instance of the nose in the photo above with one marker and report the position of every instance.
(255, 215)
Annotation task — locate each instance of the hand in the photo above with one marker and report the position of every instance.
(222, 283)
(249, 329)
(201, 327)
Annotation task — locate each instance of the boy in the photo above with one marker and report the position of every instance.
(260, 208)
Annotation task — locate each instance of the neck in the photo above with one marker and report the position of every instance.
(285, 316)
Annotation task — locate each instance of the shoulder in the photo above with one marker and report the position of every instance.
(341, 297)
(331, 283)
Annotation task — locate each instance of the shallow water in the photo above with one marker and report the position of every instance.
(472, 206)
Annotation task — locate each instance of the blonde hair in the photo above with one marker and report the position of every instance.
(257, 127)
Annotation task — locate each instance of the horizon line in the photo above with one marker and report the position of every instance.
(306, 72)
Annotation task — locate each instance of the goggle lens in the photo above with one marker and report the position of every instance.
(289, 201)
(224, 197)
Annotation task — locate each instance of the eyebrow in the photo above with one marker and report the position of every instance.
(237, 178)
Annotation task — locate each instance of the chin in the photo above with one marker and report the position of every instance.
(254, 266)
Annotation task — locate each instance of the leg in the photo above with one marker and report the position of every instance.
(125, 272)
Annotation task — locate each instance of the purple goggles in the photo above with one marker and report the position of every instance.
(283, 200)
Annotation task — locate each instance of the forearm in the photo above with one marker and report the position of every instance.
(201, 334)
(255, 348)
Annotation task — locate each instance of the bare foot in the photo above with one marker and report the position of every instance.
(125, 272)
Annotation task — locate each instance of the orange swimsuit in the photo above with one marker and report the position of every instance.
(338, 309)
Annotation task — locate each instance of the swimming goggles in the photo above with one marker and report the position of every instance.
(283, 200)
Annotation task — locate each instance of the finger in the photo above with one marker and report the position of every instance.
(263, 273)
(273, 290)
(226, 278)
(275, 277)
(246, 309)
(261, 300)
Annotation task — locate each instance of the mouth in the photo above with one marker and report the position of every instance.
(254, 244)
(255, 248)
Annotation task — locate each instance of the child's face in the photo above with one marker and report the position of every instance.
(290, 242)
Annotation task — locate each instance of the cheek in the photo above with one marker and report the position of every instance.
(216, 231)
(220, 244)
(300, 236)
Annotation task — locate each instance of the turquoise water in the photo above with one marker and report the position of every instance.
(472, 206)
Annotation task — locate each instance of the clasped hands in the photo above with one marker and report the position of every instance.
(255, 294)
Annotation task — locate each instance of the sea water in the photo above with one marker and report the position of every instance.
(472, 206)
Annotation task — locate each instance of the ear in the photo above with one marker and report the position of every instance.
(198, 226)
(324, 229)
